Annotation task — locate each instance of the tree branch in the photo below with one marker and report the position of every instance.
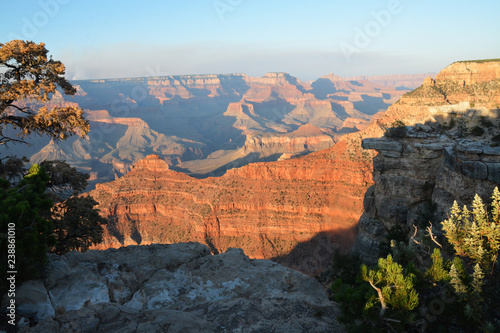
(429, 230)
(380, 297)
(415, 234)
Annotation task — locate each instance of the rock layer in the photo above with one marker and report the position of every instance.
(189, 119)
(268, 209)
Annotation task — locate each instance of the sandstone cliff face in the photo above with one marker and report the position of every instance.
(471, 72)
(174, 288)
(471, 81)
(268, 209)
(297, 211)
(433, 165)
(276, 210)
(189, 119)
(415, 173)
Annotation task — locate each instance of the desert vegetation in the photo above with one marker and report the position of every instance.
(434, 280)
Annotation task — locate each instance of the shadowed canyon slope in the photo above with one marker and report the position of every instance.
(296, 210)
(205, 124)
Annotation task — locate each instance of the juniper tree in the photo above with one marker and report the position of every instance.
(30, 78)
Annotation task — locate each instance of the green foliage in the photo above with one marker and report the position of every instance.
(456, 287)
(392, 286)
(352, 299)
(29, 74)
(476, 234)
(78, 224)
(457, 275)
(27, 207)
(397, 130)
(12, 168)
(395, 235)
(485, 122)
(437, 271)
(64, 180)
(26, 201)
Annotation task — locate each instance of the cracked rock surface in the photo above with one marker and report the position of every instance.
(172, 288)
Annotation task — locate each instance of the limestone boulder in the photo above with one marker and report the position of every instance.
(175, 288)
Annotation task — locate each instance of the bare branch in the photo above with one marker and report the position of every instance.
(429, 230)
(415, 234)
(23, 110)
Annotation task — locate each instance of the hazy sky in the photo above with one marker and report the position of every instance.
(308, 39)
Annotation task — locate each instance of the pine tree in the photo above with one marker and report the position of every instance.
(392, 286)
(24, 207)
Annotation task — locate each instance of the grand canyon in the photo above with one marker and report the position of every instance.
(183, 151)
(293, 173)
(235, 166)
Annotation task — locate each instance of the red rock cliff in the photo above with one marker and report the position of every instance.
(265, 208)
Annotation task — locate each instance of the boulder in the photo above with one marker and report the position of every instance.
(175, 288)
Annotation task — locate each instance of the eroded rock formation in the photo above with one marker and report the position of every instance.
(452, 157)
(268, 209)
(204, 125)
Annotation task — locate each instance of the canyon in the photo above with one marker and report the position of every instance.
(203, 125)
(299, 211)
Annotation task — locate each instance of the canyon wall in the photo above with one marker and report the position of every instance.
(452, 157)
(267, 209)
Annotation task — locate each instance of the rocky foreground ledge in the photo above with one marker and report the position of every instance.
(172, 288)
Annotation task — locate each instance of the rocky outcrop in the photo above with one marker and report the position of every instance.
(477, 82)
(471, 72)
(420, 176)
(174, 288)
(305, 139)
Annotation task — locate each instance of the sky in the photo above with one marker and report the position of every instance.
(308, 39)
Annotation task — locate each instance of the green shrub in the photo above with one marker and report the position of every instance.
(461, 277)
(485, 122)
